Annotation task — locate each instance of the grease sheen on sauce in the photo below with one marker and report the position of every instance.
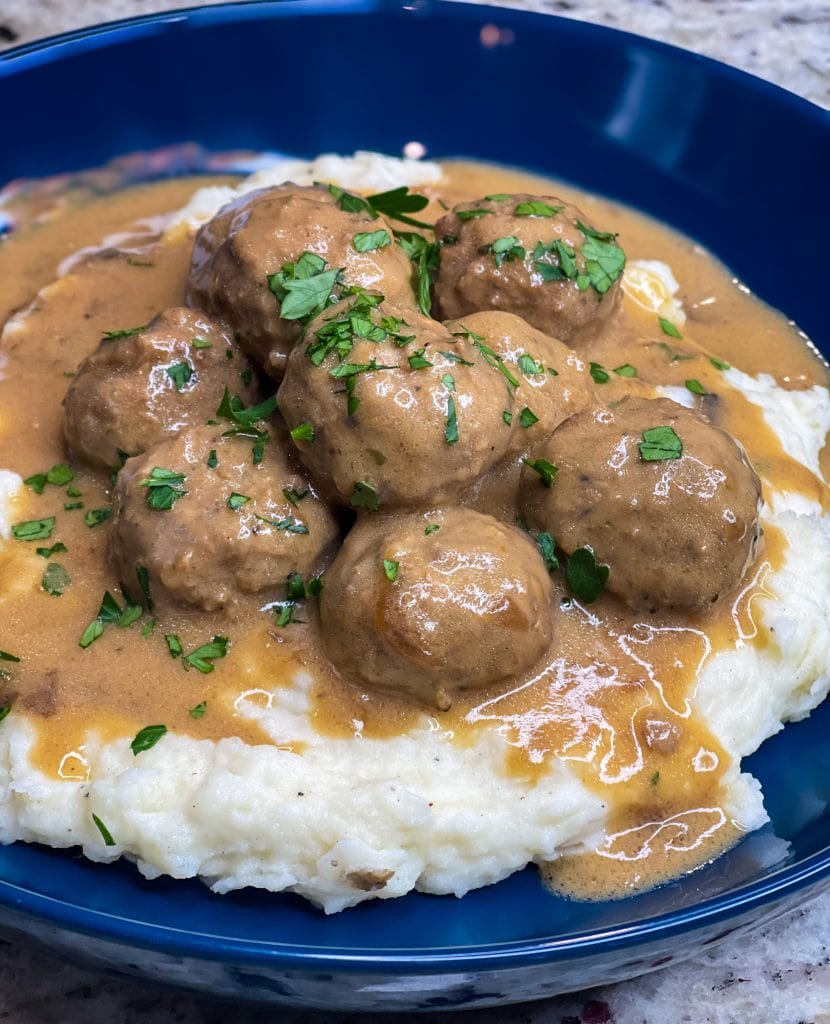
(611, 698)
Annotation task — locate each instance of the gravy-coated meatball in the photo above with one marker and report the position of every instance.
(553, 380)
(425, 604)
(133, 392)
(529, 255)
(262, 232)
(390, 399)
(677, 532)
(227, 529)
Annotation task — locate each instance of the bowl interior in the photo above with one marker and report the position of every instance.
(713, 152)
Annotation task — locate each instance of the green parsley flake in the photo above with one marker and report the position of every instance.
(91, 633)
(97, 516)
(163, 488)
(146, 738)
(304, 288)
(599, 374)
(626, 370)
(674, 355)
(604, 260)
(493, 359)
(719, 364)
(4, 711)
(236, 501)
(455, 358)
(294, 496)
(199, 710)
(529, 365)
(34, 529)
(285, 525)
(695, 387)
(498, 197)
(660, 443)
(426, 257)
(451, 429)
(472, 214)
(180, 374)
(507, 416)
(105, 832)
(586, 577)
(149, 626)
(547, 549)
(72, 506)
(174, 645)
(303, 432)
(536, 209)
(527, 418)
(132, 613)
(655, 778)
(143, 576)
(365, 496)
(213, 459)
(546, 470)
(200, 343)
(126, 332)
(55, 580)
(203, 657)
(390, 569)
(58, 548)
(667, 327)
(506, 249)
(5, 656)
(417, 361)
(370, 241)
(431, 528)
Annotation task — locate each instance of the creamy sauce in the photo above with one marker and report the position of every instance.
(612, 697)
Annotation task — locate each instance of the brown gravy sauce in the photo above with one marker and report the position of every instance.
(612, 698)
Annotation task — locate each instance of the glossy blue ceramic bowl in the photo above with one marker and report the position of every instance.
(718, 154)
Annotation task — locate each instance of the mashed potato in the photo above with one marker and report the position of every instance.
(353, 819)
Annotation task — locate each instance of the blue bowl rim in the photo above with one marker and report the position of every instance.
(785, 882)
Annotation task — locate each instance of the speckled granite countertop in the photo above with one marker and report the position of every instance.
(782, 974)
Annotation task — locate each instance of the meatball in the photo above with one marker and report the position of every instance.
(534, 256)
(425, 604)
(388, 408)
(267, 232)
(553, 380)
(133, 392)
(209, 525)
(668, 501)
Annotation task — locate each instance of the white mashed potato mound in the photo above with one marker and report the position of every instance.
(353, 819)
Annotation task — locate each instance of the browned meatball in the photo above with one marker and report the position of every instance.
(133, 392)
(425, 604)
(535, 256)
(384, 401)
(265, 232)
(668, 501)
(553, 380)
(226, 529)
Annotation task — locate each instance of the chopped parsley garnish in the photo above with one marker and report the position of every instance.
(147, 737)
(105, 832)
(200, 343)
(719, 364)
(294, 587)
(660, 443)
(451, 429)
(555, 261)
(231, 408)
(97, 516)
(370, 241)
(212, 459)
(626, 370)
(55, 580)
(667, 327)
(455, 358)
(59, 475)
(284, 525)
(163, 488)
(73, 492)
(132, 613)
(536, 209)
(547, 549)
(390, 569)
(91, 633)
(528, 365)
(174, 645)
(303, 432)
(431, 528)
(546, 470)
(143, 576)
(365, 496)
(674, 355)
(203, 657)
(109, 613)
(199, 710)
(527, 417)
(304, 288)
(426, 257)
(695, 387)
(5, 656)
(506, 249)
(395, 204)
(507, 416)
(493, 359)
(655, 778)
(58, 548)
(180, 374)
(34, 529)
(294, 496)
(599, 374)
(149, 626)
(472, 214)
(285, 616)
(127, 332)
(499, 197)
(236, 501)
(448, 381)
(586, 577)
(417, 361)
(4, 712)
(72, 506)
(604, 260)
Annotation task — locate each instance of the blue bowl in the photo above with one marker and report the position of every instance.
(714, 152)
